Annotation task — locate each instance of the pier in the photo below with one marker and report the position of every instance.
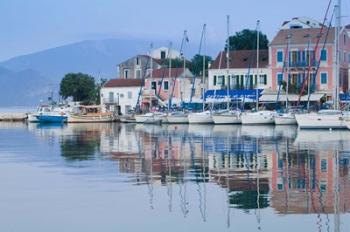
(13, 117)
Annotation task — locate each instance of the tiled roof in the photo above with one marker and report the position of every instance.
(123, 83)
(241, 59)
(301, 36)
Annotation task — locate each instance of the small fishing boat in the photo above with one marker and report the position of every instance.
(259, 117)
(204, 117)
(227, 117)
(323, 119)
(285, 119)
(149, 118)
(177, 117)
(89, 114)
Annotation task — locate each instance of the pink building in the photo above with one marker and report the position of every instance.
(305, 57)
(164, 83)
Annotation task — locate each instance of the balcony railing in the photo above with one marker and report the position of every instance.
(302, 64)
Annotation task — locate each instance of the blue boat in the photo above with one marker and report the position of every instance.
(44, 118)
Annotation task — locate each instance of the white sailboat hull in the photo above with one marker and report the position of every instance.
(285, 119)
(265, 117)
(32, 118)
(200, 118)
(227, 119)
(317, 121)
(148, 119)
(177, 119)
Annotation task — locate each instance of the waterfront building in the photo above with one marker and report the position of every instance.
(241, 72)
(165, 84)
(298, 38)
(135, 67)
(120, 95)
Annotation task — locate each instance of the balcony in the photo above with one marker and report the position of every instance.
(302, 64)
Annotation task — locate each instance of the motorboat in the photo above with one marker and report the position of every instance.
(32, 117)
(258, 117)
(323, 119)
(52, 117)
(127, 119)
(177, 117)
(149, 118)
(204, 117)
(285, 119)
(227, 117)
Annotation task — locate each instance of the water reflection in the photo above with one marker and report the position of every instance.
(257, 169)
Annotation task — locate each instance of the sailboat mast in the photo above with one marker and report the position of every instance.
(169, 59)
(257, 62)
(203, 77)
(337, 58)
(228, 62)
(288, 70)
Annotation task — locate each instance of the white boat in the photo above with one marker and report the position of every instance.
(177, 118)
(149, 118)
(227, 117)
(324, 119)
(204, 117)
(40, 110)
(259, 117)
(285, 119)
(127, 119)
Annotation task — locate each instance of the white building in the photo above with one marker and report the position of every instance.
(120, 93)
(301, 22)
(242, 72)
(163, 53)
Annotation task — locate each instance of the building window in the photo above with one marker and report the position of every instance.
(221, 80)
(324, 78)
(323, 55)
(111, 97)
(137, 61)
(279, 56)
(280, 187)
(279, 78)
(121, 95)
(349, 58)
(126, 73)
(162, 55)
(214, 80)
(129, 94)
(323, 165)
(138, 74)
(154, 85)
(263, 79)
(323, 186)
(166, 85)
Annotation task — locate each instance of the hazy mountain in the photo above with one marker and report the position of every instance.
(26, 79)
(24, 88)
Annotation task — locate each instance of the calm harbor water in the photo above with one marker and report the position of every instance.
(112, 177)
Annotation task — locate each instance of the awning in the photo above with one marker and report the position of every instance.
(291, 97)
(344, 97)
(222, 95)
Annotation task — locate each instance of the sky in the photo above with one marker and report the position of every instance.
(28, 26)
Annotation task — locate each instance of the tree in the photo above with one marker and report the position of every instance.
(79, 86)
(246, 40)
(197, 64)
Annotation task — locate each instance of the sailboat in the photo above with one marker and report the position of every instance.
(228, 116)
(258, 117)
(332, 118)
(179, 117)
(204, 117)
(286, 118)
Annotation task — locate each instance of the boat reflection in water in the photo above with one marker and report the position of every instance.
(243, 177)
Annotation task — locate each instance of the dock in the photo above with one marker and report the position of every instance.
(13, 117)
